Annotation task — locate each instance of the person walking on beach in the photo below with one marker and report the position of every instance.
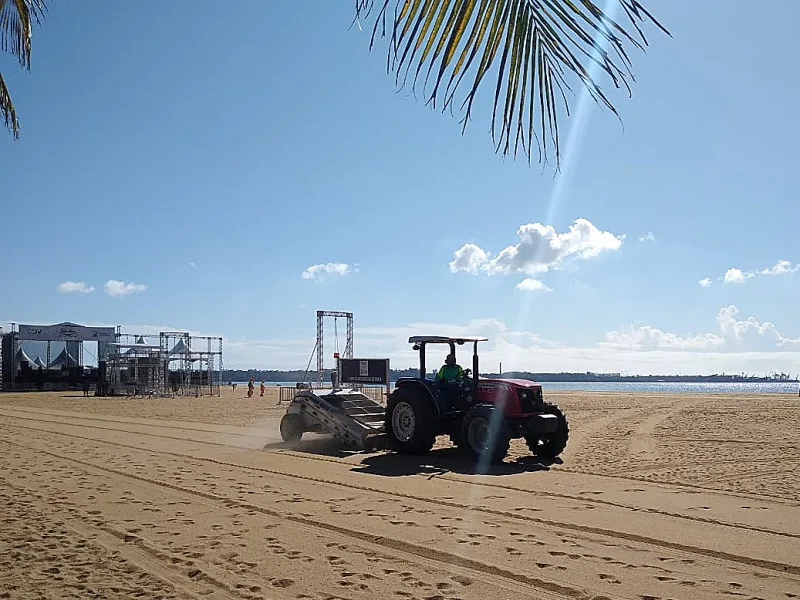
(251, 387)
(263, 387)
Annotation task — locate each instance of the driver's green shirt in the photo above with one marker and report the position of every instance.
(447, 373)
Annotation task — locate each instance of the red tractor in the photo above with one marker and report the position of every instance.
(481, 416)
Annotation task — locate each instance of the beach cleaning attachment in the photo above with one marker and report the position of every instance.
(350, 416)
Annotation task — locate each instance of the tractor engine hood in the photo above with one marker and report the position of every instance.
(515, 383)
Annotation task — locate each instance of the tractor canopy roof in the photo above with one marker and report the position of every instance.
(443, 339)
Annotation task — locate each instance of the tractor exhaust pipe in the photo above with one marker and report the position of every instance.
(475, 365)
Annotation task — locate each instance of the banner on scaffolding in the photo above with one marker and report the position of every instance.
(365, 371)
(66, 332)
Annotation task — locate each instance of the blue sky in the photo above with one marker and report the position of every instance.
(210, 158)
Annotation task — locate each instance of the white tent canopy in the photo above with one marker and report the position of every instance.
(21, 355)
(179, 348)
(63, 359)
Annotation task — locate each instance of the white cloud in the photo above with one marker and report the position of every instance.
(736, 346)
(782, 267)
(750, 332)
(735, 275)
(705, 282)
(731, 334)
(533, 285)
(647, 337)
(648, 237)
(117, 288)
(80, 287)
(470, 258)
(320, 271)
(540, 249)
(192, 264)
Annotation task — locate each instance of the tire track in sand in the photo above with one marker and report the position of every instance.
(398, 544)
(209, 427)
(137, 551)
(625, 475)
(122, 430)
(577, 498)
(441, 558)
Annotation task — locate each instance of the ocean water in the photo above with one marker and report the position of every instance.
(771, 387)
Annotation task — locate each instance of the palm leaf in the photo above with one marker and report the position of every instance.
(16, 18)
(533, 45)
(7, 109)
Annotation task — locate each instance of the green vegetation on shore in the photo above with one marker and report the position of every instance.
(300, 375)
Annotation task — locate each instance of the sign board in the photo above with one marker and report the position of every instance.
(366, 371)
(65, 332)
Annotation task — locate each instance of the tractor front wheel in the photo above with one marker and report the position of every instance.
(410, 422)
(485, 434)
(553, 444)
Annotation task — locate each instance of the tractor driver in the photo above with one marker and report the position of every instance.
(450, 371)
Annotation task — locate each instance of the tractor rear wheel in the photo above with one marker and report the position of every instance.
(291, 428)
(410, 422)
(485, 434)
(553, 444)
(456, 433)
(458, 440)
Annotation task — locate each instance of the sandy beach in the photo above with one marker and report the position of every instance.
(657, 496)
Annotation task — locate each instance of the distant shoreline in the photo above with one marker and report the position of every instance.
(291, 377)
(655, 387)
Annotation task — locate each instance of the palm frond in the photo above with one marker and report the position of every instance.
(16, 17)
(7, 109)
(533, 45)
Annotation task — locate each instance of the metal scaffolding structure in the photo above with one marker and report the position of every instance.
(133, 366)
(169, 363)
(156, 364)
(175, 349)
(319, 348)
(193, 364)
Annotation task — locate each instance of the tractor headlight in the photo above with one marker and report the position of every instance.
(527, 400)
